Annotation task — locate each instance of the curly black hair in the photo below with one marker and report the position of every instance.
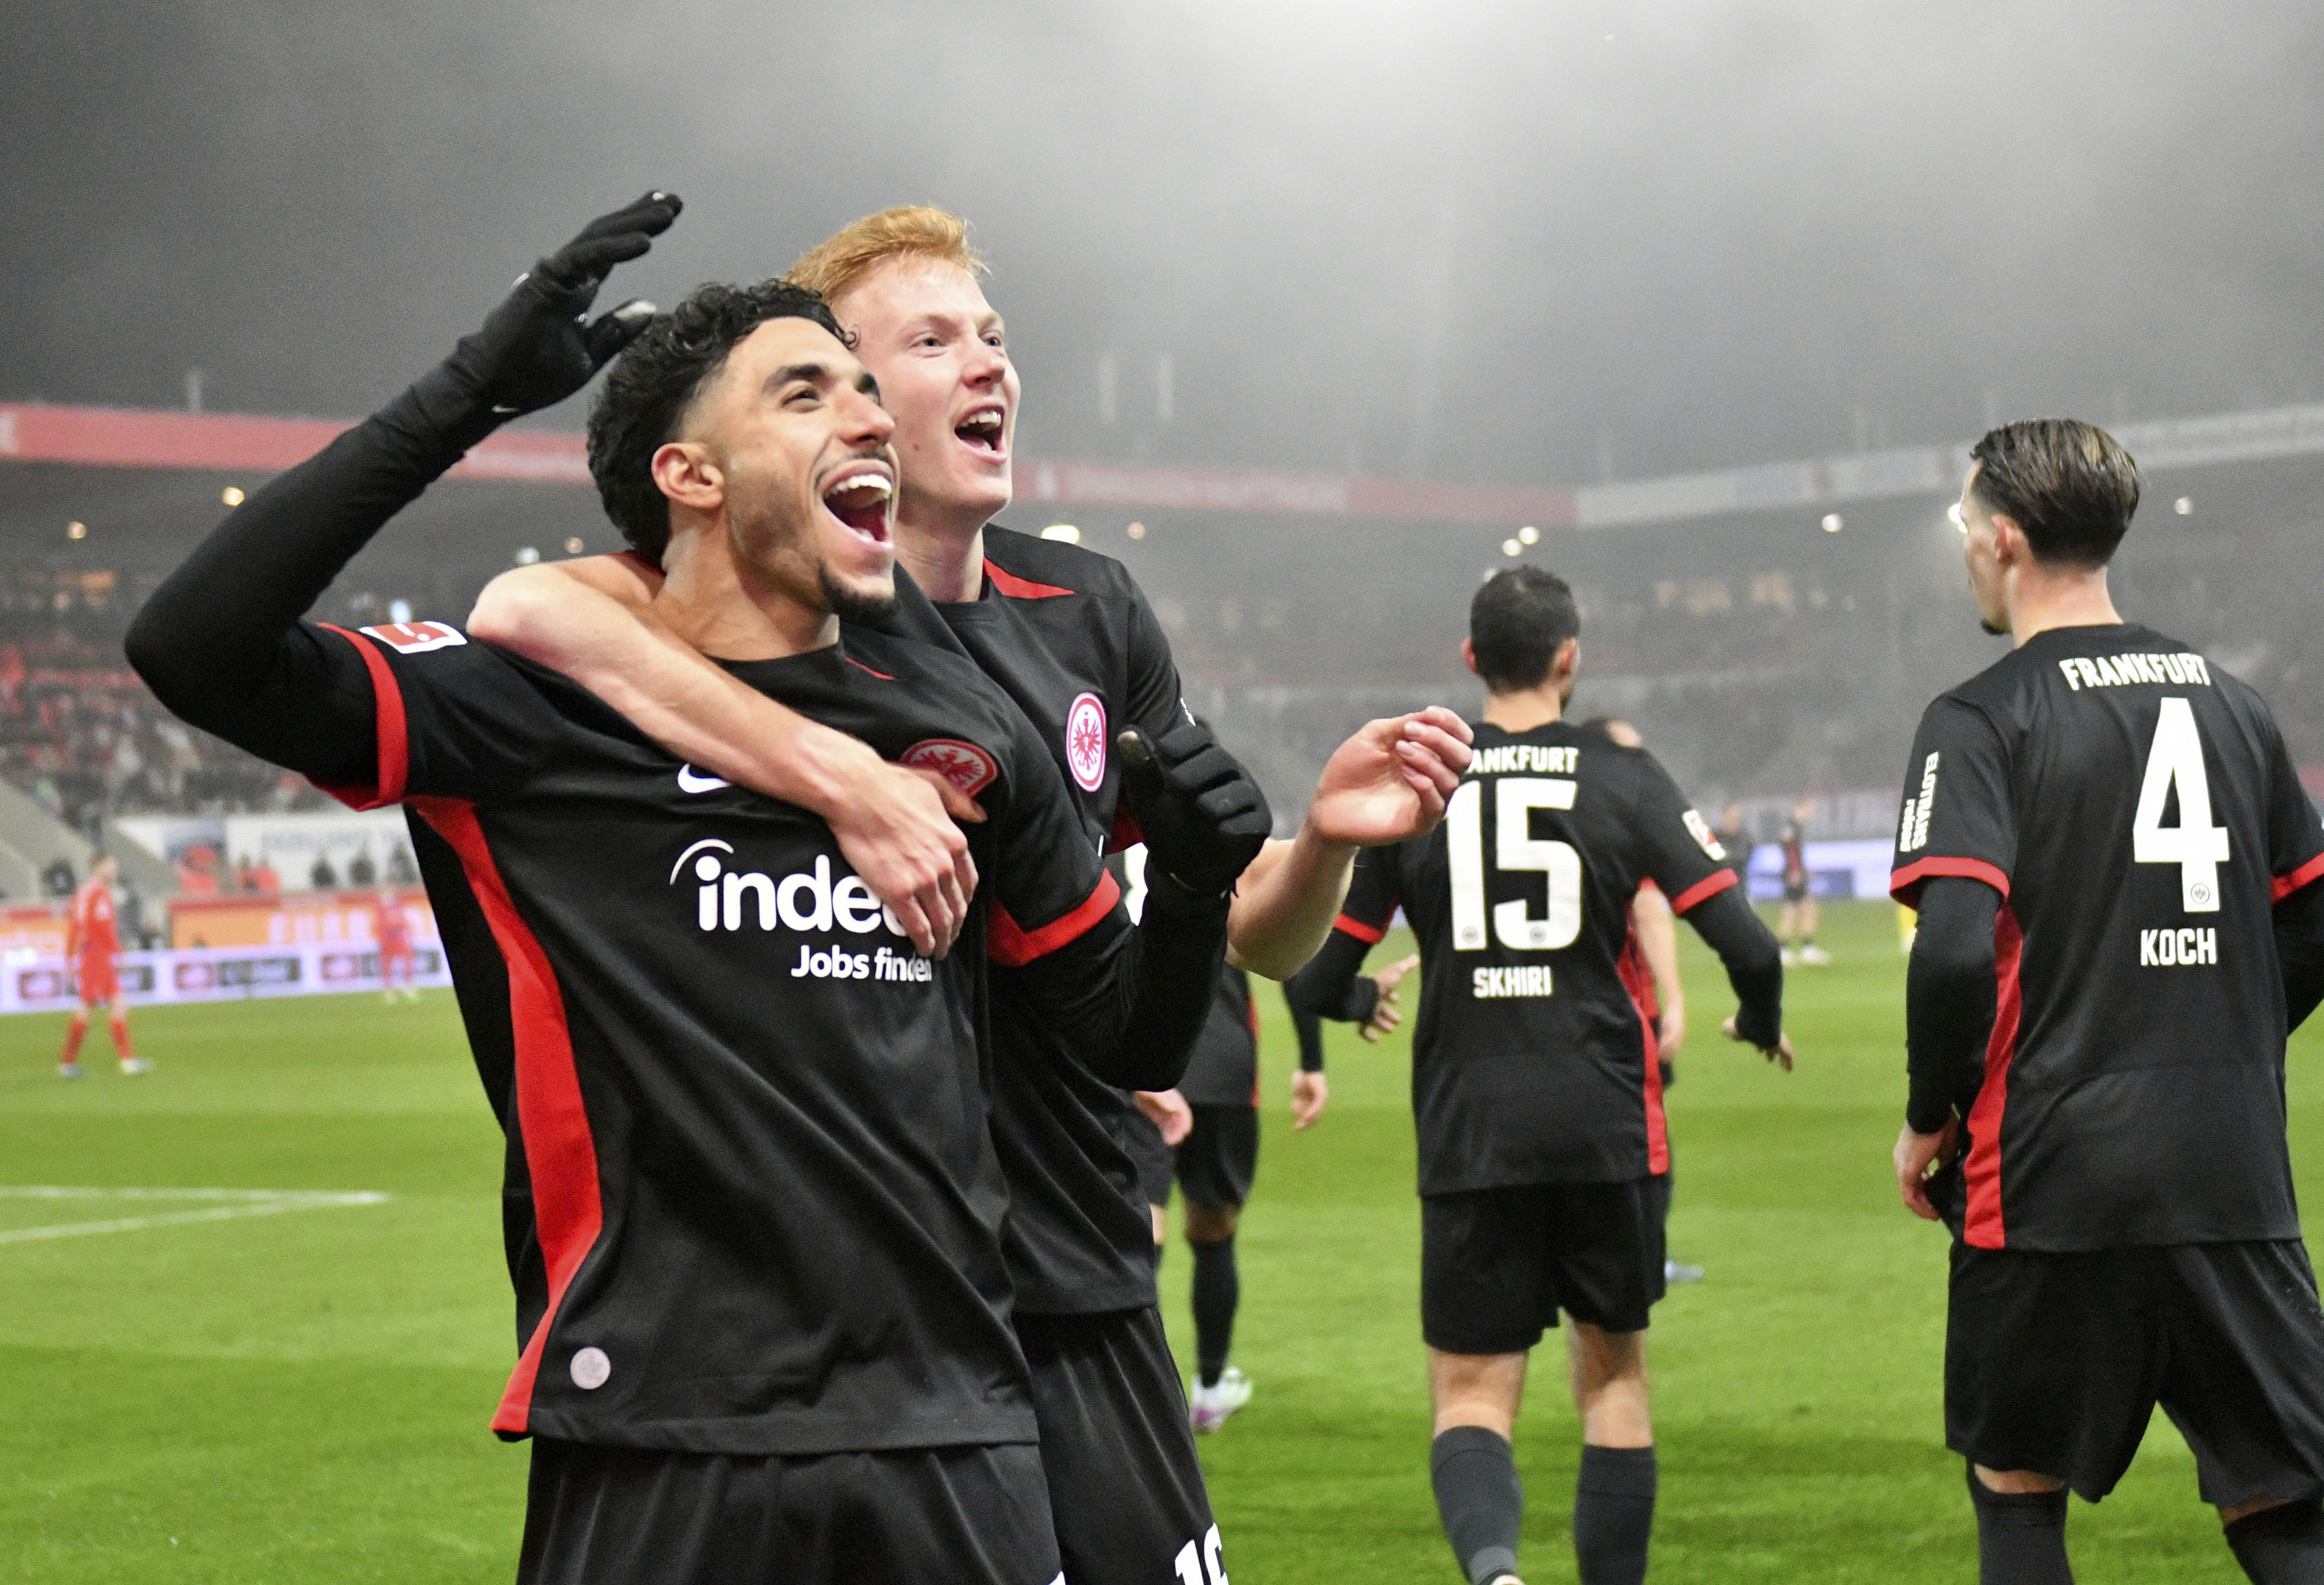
(649, 386)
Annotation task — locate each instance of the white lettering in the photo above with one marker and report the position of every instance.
(736, 885)
(2066, 667)
(2162, 666)
(817, 886)
(854, 906)
(1494, 984)
(2187, 947)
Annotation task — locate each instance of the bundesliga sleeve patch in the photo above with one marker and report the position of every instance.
(416, 638)
(962, 764)
(1700, 829)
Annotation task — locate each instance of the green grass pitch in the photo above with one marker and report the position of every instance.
(303, 1395)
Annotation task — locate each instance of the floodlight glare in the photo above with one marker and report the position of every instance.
(1064, 532)
(1832, 523)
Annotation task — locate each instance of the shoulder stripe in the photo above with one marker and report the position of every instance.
(394, 737)
(1017, 588)
(1012, 946)
(859, 666)
(2285, 885)
(1909, 878)
(1702, 890)
(1367, 934)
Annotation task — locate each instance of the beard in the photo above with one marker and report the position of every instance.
(1990, 628)
(845, 603)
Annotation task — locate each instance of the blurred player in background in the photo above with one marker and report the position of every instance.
(1734, 833)
(2115, 870)
(1798, 924)
(1535, 1078)
(392, 931)
(1649, 968)
(93, 946)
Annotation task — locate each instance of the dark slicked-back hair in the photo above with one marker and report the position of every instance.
(1516, 624)
(652, 383)
(2069, 485)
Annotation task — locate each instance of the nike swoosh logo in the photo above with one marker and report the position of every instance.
(689, 781)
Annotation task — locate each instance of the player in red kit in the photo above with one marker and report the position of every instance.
(90, 943)
(393, 933)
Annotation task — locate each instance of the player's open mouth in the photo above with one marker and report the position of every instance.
(982, 428)
(859, 497)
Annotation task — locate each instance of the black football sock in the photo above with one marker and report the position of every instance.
(1218, 1289)
(1613, 1514)
(2281, 1546)
(2021, 1536)
(1478, 1498)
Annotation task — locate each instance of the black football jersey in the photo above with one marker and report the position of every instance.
(2135, 809)
(1224, 1068)
(1531, 1061)
(753, 1204)
(1066, 634)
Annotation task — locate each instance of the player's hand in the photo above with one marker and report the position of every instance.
(1392, 779)
(1309, 1092)
(1918, 1156)
(1780, 1052)
(1670, 1032)
(1203, 816)
(896, 826)
(1169, 1112)
(1386, 1014)
(538, 346)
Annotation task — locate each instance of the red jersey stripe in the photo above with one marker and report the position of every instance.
(1702, 890)
(1010, 583)
(1983, 1229)
(560, 1154)
(1013, 946)
(1356, 928)
(394, 743)
(1910, 877)
(1657, 1128)
(2285, 885)
(859, 666)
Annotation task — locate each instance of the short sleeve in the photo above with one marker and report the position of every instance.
(2295, 838)
(1049, 886)
(1682, 854)
(1957, 817)
(1371, 899)
(455, 718)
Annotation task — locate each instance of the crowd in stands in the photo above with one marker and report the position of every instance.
(81, 735)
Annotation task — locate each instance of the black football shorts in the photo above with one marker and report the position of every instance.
(1124, 1484)
(962, 1516)
(2054, 1363)
(1497, 1265)
(1142, 1139)
(1220, 1154)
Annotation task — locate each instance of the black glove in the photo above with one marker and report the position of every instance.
(1203, 816)
(538, 346)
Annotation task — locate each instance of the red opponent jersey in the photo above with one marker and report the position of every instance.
(89, 928)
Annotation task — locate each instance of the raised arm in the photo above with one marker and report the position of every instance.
(220, 643)
(588, 619)
(1388, 782)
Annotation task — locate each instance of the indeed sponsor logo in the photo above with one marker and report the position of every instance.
(728, 898)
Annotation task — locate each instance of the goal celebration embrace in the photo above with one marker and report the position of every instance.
(936, 984)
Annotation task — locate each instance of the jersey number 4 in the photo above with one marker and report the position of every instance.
(1515, 850)
(2196, 845)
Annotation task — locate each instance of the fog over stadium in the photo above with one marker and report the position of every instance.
(1482, 244)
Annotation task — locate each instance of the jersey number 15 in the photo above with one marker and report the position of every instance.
(1515, 850)
(2196, 845)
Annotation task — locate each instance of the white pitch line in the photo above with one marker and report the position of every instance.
(238, 1202)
